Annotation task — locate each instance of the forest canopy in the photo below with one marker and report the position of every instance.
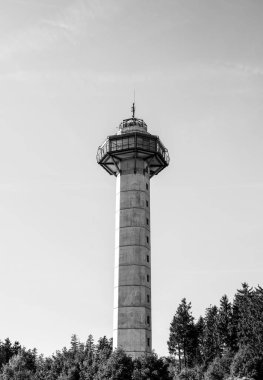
(225, 343)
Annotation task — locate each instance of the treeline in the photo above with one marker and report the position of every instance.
(82, 361)
(227, 343)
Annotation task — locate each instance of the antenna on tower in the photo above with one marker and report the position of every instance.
(133, 105)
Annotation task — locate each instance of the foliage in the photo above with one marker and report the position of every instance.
(21, 366)
(225, 324)
(228, 336)
(211, 335)
(151, 367)
(226, 343)
(191, 374)
(183, 337)
(247, 364)
(220, 367)
(248, 310)
(7, 350)
(118, 366)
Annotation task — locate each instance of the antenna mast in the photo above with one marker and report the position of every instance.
(133, 105)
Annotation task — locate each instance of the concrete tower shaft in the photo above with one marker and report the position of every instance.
(132, 277)
(133, 155)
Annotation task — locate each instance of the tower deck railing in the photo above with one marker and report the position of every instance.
(133, 142)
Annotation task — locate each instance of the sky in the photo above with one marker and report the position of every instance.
(68, 70)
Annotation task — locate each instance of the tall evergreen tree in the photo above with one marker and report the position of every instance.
(89, 367)
(182, 340)
(243, 315)
(258, 319)
(211, 336)
(224, 325)
(200, 328)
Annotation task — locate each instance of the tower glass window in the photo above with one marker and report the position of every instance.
(148, 319)
(148, 278)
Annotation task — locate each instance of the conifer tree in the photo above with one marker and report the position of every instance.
(182, 340)
(243, 315)
(211, 347)
(224, 325)
(200, 328)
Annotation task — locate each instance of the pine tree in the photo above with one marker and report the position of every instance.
(200, 328)
(225, 319)
(89, 364)
(183, 339)
(211, 347)
(243, 315)
(258, 319)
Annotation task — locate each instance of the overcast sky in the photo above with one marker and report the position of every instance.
(68, 69)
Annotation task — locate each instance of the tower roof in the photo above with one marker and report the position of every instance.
(132, 125)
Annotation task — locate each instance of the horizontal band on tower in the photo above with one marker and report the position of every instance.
(133, 265)
(141, 190)
(136, 207)
(133, 171)
(119, 286)
(133, 328)
(142, 352)
(132, 245)
(121, 307)
(120, 227)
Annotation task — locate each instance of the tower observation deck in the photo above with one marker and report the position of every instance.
(134, 156)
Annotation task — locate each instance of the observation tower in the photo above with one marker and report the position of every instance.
(134, 156)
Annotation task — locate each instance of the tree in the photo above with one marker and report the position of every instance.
(149, 366)
(224, 325)
(247, 364)
(243, 318)
(7, 350)
(183, 338)
(89, 364)
(21, 366)
(103, 351)
(190, 374)
(258, 319)
(43, 368)
(247, 317)
(118, 366)
(211, 342)
(200, 328)
(219, 367)
(104, 347)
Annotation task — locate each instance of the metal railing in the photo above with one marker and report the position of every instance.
(136, 141)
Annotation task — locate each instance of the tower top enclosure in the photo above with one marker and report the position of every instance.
(133, 141)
